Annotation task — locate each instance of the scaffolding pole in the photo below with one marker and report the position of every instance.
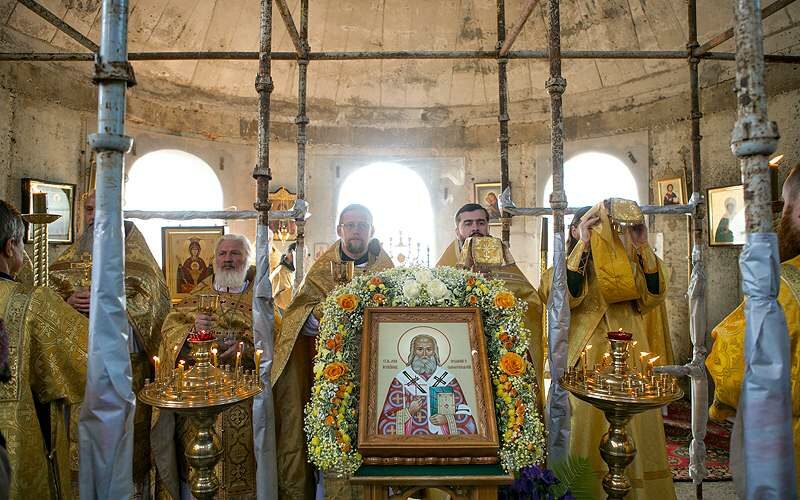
(726, 35)
(764, 420)
(105, 428)
(302, 140)
(263, 309)
(502, 81)
(60, 25)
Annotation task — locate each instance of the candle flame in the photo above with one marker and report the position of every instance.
(653, 360)
(606, 355)
(588, 346)
(181, 362)
(643, 354)
(635, 342)
(155, 359)
(213, 350)
(260, 351)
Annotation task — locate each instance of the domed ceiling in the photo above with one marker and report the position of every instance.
(376, 25)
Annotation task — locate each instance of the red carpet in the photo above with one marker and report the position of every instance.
(678, 430)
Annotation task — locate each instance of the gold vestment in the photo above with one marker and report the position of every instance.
(238, 467)
(292, 372)
(518, 284)
(147, 304)
(47, 357)
(282, 281)
(592, 317)
(726, 360)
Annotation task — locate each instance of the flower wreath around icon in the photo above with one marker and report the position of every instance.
(331, 418)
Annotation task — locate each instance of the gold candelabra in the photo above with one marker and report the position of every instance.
(39, 220)
(620, 392)
(201, 393)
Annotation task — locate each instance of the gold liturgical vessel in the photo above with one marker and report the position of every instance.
(39, 219)
(620, 392)
(201, 393)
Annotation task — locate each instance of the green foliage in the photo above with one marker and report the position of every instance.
(574, 474)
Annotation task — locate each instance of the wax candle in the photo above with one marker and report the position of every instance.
(651, 364)
(181, 364)
(39, 203)
(238, 361)
(258, 360)
(214, 356)
(157, 363)
(642, 355)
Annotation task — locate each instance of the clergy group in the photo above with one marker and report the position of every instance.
(614, 279)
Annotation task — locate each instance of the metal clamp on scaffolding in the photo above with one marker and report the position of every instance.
(119, 71)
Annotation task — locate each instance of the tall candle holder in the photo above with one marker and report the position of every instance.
(39, 219)
(201, 393)
(620, 392)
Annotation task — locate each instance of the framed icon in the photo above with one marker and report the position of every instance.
(187, 257)
(60, 200)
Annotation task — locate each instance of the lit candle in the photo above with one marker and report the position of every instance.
(258, 361)
(606, 360)
(157, 363)
(214, 356)
(238, 361)
(651, 364)
(642, 355)
(39, 203)
(584, 356)
(181, 364)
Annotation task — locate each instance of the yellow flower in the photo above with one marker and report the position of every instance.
(347, 301)
(504, 300)
(334, 370)
(315, 441)
(512, 363)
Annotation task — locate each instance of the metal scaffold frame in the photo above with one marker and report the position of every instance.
(751, 149)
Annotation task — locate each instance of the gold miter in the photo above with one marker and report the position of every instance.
(624, 213)
(481, 252)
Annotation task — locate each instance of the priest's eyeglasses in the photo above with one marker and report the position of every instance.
(352, 226)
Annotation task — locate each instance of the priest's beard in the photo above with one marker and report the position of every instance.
(788, 236)
(86, 240)
(425, 365)
(230, 278)
(356, 246)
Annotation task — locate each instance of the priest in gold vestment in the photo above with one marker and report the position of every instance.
(147, 304)
(616, 281)
(232, 322)
(47, 346)
(726, 360)
(294, 347)
(472, 220)
(282, 279)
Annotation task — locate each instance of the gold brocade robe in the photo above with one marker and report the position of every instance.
(726, 360)
(171, 433)
(47, 357)
(282, 281)
(591, 320)
(292, 373)
(147, 304)
(519, 285)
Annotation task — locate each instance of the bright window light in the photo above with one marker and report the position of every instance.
(590, 178)
(171, 180)
(401, 208)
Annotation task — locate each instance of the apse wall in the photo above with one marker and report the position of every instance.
(46, 111)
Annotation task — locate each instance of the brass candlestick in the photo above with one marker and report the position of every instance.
(620, 392)
(39, 219)
(201, 393)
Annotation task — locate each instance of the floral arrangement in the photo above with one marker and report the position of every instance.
(535, 483)
(331, 414)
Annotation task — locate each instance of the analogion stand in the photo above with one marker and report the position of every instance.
(461, 482)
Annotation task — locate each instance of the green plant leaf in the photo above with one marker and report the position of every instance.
(574, 474)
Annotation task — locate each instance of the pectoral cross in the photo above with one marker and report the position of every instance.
(84, 265)
(440, 379)
(414, 382)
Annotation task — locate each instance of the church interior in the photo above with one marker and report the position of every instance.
(408, 109)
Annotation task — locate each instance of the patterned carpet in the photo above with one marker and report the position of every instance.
(677, 427)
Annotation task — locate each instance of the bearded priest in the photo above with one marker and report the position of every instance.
(294, 347)
(221, 303)
(472, 221)
(147, 304)
(46, 342)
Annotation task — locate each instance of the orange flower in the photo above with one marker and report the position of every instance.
(329, 421)
(503, 377)
(512, 363)
(375, 280)
(503, 337)
(347, 301)
(345, 447)
(379, 298)
(335, 370)
(473, 300)
(504, 300)
(471, 282)
(335, 343)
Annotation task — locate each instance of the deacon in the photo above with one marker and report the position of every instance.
(726, 361)
(147, 304)
(282, 279)
(292, 362)
(616, 281)
(47, 349)
(472, 220)
(222, 303)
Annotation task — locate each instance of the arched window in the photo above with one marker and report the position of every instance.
(401, 208)
(169, 179)
(590, 178)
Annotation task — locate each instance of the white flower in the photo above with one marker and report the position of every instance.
(437, 289)
(423, 276)
(411, 289)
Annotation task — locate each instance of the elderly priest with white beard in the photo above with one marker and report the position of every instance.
(232, 322)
